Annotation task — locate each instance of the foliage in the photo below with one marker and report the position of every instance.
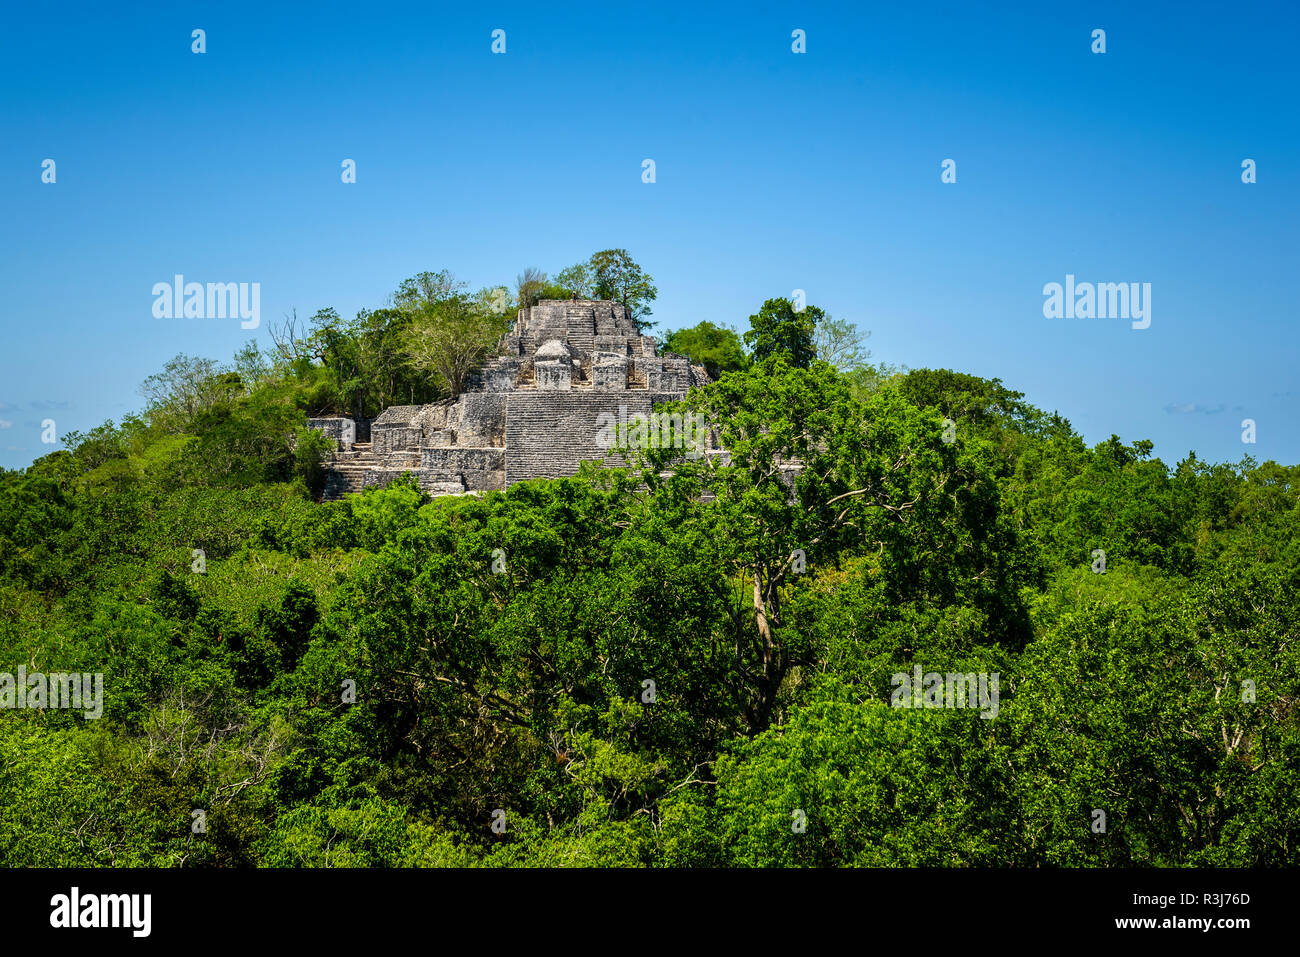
(448, 339)
(651, 666)
(718, 348)
(778, 328)
(609, 274)
(840, 343)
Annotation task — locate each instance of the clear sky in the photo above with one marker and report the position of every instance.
(774, 171)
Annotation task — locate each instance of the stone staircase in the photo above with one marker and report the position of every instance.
(359, 467)
(349, 470)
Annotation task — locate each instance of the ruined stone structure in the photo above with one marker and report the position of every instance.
(533, 411)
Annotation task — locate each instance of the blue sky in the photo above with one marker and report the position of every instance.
(775, 171)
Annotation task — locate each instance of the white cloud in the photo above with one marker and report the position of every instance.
(1193, 408)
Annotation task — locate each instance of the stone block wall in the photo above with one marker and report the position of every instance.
(548, 435)
(395, 439)
(609, 373)
(478, 470)
(481, 419)
(342, 431)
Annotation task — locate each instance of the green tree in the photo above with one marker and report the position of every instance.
(850, 784)
(186, 387)
(574, 282)
(610, 274)
(449, 333)
(616, 275)
(778, 329)
(840, 343)
(529, 286)
(813, 475)
(717, 348)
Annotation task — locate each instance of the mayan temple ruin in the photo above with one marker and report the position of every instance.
(532, 411)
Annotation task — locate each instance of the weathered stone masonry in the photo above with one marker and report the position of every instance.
(530, 412)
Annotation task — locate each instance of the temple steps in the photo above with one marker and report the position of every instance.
(346, 471)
